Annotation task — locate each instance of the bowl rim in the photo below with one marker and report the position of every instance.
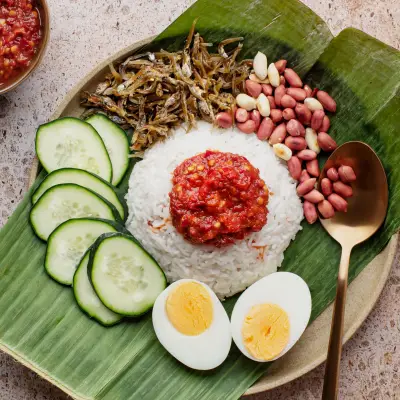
(45, 24)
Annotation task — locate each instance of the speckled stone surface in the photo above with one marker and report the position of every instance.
(84, 32)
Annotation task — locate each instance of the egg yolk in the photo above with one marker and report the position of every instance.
(266, 331)
(189, 308)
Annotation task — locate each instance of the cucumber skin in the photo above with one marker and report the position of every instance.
(118, 194)
(76, 298)
(104, 117)
(113, 209)
(63, 119)
(133, 239)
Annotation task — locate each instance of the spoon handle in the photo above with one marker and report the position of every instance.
(332, 369)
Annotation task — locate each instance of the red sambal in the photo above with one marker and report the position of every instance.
(217, 198)
(20, 36)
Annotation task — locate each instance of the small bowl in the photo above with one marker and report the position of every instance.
(43, 9)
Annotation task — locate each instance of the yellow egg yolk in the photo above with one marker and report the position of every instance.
(189, 308)
(266, 331)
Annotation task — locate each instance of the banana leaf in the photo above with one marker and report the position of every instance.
(40, 322)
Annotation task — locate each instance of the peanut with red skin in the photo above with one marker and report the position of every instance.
(272, 104)
(347, 174)
(253, 89)
(288, 114)
(267, 89)
(310, 212)
(292, 78)
(247, 127)
(280, 65)
(326, 142)
(224, 119)
(265, 130)
(297, 93)
(326, 123)
(256, 117)
(242, 115)
(314, 196)
(342, 189)
(282, 80)
(303, 113)
(314, 92)
(308, 90)
(307, 155)
(295, 143)
(280, 91)
(317, 119)
(295, 128)
(326, 100)
(288, 101)
(313, 167)
(304, 176)
(306, 186)
(294, 166)
(332, 174)
(326, 186)
(338, 202)
(325, 209)
(278, 135)
(276, 115)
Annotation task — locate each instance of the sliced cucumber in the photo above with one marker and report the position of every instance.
(69, 242)
(124, 276)
(85, 179)
(87, 298)
(63, 202)
(70, 142)
(117, 144)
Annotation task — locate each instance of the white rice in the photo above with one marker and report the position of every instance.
(231, 269)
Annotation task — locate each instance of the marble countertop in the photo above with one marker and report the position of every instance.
(371, 360)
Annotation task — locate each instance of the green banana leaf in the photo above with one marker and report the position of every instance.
(39, 319)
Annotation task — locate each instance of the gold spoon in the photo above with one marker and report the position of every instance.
(366, 213)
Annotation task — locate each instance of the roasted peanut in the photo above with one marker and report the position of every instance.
(265, 129)
(306, 186)
(326, 142)
(271, 100)
(255, 78)
(313, 104)
(297, 93)
(313, 167)
(245, 101)
(326, 100)
(292, 78)
(288, 101)
(278, 135)
(247, 127)
(346, 174)
(317, 118)
(263, 105)
(326, 123)
(295, 143)
(282, 151)
(276, 115)
(224, 119)
(242, 115)
(314, 196)
(307, 155)
(304, 176)
(288, 114)
(303, 114)
(267, 89)
(295, 128)
(312, 140)
(256, 117)
(326, 187)
(338, 202)
(310, 212)
(326, 210)
(280, 91)
(273, 75)
(253, 89)
(342, 189)
(294, 166)
(260, 65)
(280, 65)
(332, 174)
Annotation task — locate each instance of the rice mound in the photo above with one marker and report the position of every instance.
(226, 270)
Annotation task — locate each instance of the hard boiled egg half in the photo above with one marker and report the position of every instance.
(270, 316)
(192, 325)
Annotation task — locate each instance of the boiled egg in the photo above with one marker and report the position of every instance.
(192, 325)
(270, 316)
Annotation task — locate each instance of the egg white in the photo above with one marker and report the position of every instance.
(285, 289)
(202, 352)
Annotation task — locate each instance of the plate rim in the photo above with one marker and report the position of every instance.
(259, 386)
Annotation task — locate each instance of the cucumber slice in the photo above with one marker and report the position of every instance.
(70, 142)
(85, 179)
(69, 242)
(66, 201)
(87, 298)
(117, 144)
(125, 277)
